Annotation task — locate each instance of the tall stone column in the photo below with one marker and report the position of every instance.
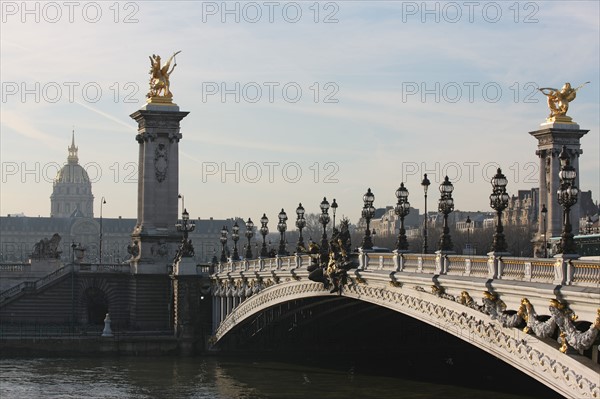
(155, 237)
(551, 137)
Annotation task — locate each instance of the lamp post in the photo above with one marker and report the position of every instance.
(334, 206)
(235, 236)
(544, 214)
(468, 222)
(73, 246)
(367, 213)
(180, 196)
(300, 224)
(223, 240)
(185, 227)
(425, 183)
(402, 209)
(102, 202)
(445, 206)
(324, 219)
(282, 227)
(264, 230)
(567, 197)
(499, 202)
(249, 234)
(589, 225)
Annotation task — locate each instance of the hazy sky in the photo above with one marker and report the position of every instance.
(293, 101)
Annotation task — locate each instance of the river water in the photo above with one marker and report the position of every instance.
(218, 378)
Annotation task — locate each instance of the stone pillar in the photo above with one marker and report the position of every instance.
(551, 137)
(155, 237)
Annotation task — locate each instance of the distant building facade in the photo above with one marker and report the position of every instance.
(72, 217)
(72, 189)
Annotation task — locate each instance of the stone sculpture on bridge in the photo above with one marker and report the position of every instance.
(558, 101)
(160, 85)
(331, 268)
(561, 316)
(47, 249)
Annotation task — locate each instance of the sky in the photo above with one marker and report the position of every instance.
(294, 101)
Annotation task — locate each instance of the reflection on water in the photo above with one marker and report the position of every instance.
(139, 377)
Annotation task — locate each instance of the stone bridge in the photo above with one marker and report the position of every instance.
(509, 307)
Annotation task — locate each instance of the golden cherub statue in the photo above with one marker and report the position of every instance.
(159, 78)
(558, 100)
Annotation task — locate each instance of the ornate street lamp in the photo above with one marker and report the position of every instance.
(324, 219)
(446, 205)
(235, 236)
(468, 222)
(589, 225)
(249, 234)
(544, 214)
(334, 206)
(425, 183)
(402, 209)
(223, 240)
(185, 227)
(499, 202)
(567, 197)
(282, 227)
(367, 213)
(300, 224)
(264, 230)
(102, 202)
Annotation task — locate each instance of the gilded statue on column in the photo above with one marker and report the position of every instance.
(558, 101)
(160, 85)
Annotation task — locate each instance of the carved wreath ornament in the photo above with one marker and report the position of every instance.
(161, 162)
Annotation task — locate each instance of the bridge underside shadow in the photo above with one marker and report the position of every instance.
(348, 333)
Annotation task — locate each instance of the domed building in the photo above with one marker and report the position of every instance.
(72, 189)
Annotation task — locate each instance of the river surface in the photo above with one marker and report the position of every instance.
(219, 378)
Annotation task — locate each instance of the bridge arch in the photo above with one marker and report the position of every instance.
(527, 353)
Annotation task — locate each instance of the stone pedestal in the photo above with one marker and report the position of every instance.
(441, 261)
(563, 271)
(495, 264)
(155, 238)
(551, 137)
(107, 332)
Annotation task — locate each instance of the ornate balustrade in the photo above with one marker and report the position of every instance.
(104, 268)
(14, 267)
(550, 271)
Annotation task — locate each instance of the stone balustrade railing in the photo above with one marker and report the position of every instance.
(103, 268)
(559, 271)
(14, 267)
(78, 268)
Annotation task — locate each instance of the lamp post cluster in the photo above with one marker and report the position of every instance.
(102, 202)
(300, 224)
(425, 183)
(235, 236)
(282, 227)
(186, 227)
(368, 212)
(499, 202)
(445, 206)
(264, 230)
(249, 234)
(223, 240)
(567, 197)
(544, 215)
(402, 209)
(324, 220)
